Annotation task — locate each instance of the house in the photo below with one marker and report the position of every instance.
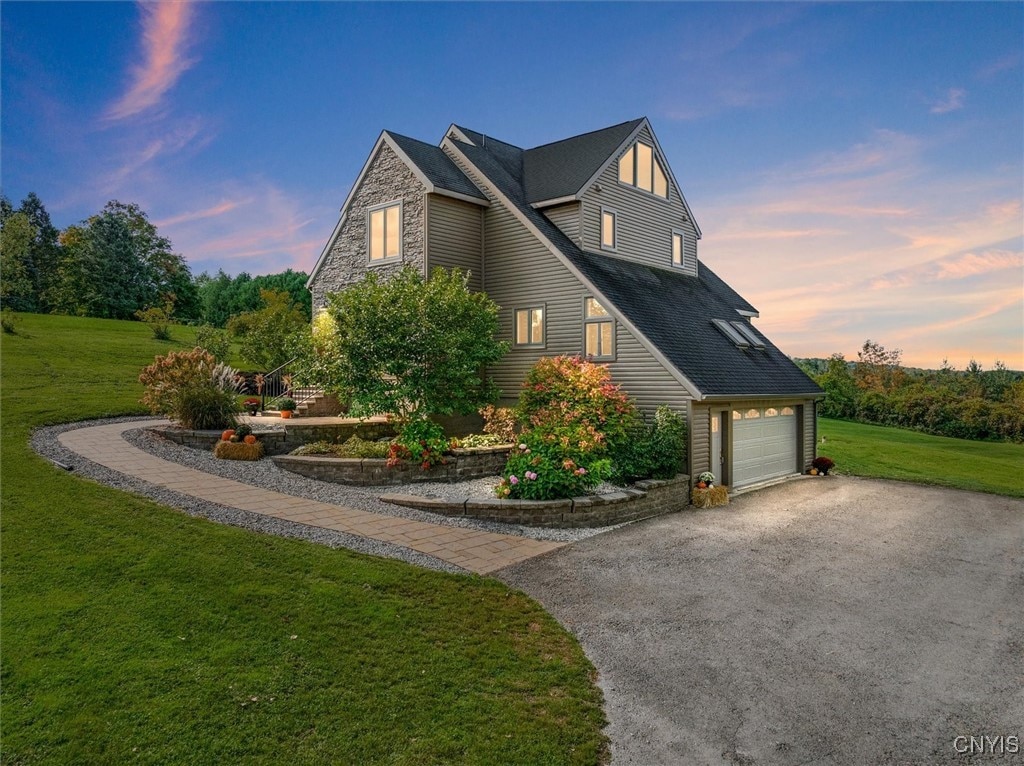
(589, 247)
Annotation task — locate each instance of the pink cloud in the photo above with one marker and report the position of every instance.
(952, 267)
(165, 28)
(953, 101)
(197, 215)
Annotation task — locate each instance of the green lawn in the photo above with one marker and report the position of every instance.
(132, 632)
(895, 453)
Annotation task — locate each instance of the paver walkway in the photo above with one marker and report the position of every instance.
(471, 549)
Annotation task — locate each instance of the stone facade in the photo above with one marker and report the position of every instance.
(388, 179)
(648, 498)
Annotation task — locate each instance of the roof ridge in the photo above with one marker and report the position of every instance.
(637, 120)
(463, 128)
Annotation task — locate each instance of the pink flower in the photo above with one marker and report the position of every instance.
(531, 475)
(513, 480)
(580, 471)
(522, 446)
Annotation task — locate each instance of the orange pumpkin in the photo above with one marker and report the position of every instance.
(249, 439)
(702, 485)
(226, 436)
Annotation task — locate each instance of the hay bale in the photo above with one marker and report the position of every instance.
(238, 450)
(709, 497)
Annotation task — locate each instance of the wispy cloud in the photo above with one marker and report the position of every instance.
(953, 101)
(165, 27)
(226, 206)
(959, 266)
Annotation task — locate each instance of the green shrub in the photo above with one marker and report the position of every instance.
(356, 447)
(286, 404)
(242, 430)
(159, 319)
(214, 340)
(478, 440)
(9, 321)
(654, 451)
(191, 388)
(424, 441)
(317, 448)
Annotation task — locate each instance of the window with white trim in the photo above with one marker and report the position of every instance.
(385, 232)
(677, 248)
(640, 167)
(609, 239)
(529, 329)
(598, 331)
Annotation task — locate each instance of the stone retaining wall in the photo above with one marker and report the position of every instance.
(649, 498)
(462, 465)
(283, 440)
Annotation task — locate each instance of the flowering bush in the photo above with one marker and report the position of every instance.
(192, 388)
(421, 440)
(572, 390)
(550, 463)
(501, 422)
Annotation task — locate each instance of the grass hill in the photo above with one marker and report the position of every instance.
(134, 632)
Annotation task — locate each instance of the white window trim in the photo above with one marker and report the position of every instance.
(615, 229)
(633, 186)
(682, 249)
(609, 319)
(543, 308)
(401, 232)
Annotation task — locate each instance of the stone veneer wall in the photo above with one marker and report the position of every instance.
(280, 442)
(387, 179)
(649, 498)
(462, 465)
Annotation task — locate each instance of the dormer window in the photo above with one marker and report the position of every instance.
(639, 167)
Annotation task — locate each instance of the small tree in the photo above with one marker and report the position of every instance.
(159, 318)
(265, 335)
(413, 347)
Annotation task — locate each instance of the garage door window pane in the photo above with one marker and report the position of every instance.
(752, 414)
(771, 412)
(788, 411)
(737, 415)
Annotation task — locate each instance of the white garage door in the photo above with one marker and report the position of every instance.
(763, 444)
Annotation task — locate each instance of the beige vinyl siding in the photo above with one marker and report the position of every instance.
(700, 431)
(566, 218)
(455, 237)
(520, 272)
(644, 221)
(699, 451)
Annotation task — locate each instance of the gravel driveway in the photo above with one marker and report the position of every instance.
(832, 620)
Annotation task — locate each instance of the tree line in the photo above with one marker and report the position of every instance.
(972, 403)
(115, 264)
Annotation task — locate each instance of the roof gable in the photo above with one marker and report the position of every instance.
(434, 168)
(563, 168)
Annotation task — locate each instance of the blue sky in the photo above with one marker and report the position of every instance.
(856, 169)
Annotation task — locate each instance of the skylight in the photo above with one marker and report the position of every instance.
(731, 333)
(747, 331)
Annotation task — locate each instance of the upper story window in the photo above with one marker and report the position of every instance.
(639, 167)
(608, 234)
(385, 231)
(677, 249)
(598, 331)
(529, 330)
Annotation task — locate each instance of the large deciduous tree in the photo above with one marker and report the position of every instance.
(266, 334)
(413, 347)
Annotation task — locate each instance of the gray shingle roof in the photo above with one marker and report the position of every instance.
(679, 322)
(562, 168)
(437, 166)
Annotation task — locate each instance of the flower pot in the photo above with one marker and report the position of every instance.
(286, 413)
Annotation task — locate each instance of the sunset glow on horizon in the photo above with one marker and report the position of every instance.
(856, 169)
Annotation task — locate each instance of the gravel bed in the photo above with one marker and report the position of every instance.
(267, 475)
(44, 441)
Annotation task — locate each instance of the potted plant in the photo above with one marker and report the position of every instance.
(252, 404)
(286, 406)
(822, 465)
